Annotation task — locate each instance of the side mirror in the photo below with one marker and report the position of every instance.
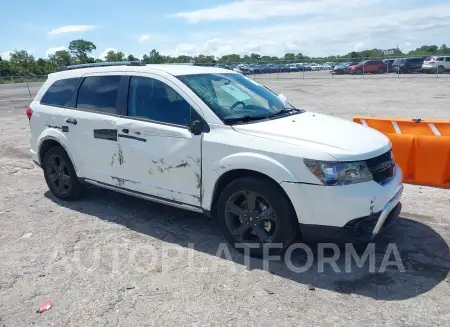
(196, 127)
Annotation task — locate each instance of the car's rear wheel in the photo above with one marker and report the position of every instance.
(256, 217)
(60, 174)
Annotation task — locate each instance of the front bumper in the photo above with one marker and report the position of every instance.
(340, 212)
(359, 230)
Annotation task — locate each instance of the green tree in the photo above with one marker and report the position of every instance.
(81, 49)
(289, 56)
(61, 58)
(132, 58)
(230, 58)
(114, 56)
(22, 62)
(154, 57)
(255, 56)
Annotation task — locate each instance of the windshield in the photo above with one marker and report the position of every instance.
(233, 96)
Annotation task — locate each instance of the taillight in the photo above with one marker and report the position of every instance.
(29, 112)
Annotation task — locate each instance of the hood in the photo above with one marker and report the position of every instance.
(342, 139)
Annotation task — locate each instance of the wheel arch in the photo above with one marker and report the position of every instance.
(231, 175)
(49, 139)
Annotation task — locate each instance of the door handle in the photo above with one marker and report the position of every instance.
(71, 121)
(125, 130)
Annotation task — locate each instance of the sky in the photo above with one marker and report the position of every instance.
(219, 27)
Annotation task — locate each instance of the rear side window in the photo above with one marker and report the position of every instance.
(60, 92)
(447, 58)
(99, 93)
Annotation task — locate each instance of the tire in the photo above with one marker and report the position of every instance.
(359, 71)
(440, 70)
(60, 175)
(381, 71)
(241, 225)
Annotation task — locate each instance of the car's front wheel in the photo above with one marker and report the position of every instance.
(255, 216)
(60, 174)
(359, 71)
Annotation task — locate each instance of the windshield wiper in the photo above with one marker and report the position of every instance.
(244, 119)
(285, 111)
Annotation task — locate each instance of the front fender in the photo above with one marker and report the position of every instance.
(248, 161)
(58, 136)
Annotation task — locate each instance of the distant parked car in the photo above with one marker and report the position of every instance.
(265, 69)
(300, 67)
(388, 64)
(439, 64)
(315, 66)
(408, 65)
(307, 67)
(293, 68)
(273, 68)
(223, 66)
(243, 69)
(340, 69)
(368, 66)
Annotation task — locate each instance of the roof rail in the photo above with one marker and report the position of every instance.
(103, 64)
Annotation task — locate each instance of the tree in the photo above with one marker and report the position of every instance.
(289, 56)
(230, 58)
(21, 61)
(154, 57)
(255, 56)
(61, 58)
(132, 58)
(114, 56)
(81, 48)
(299, 56)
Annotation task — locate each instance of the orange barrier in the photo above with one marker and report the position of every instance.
(421, 147)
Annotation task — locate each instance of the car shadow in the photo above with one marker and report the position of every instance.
(409, 259)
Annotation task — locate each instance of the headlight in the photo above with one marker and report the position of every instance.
(339, 173)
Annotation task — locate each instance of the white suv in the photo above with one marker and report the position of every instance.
(214, 141)
(436, 64)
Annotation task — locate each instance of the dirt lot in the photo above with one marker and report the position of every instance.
(112, 260)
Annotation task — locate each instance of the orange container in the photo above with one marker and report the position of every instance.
(421, 147)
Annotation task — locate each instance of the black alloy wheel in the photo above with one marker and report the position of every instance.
(60, 174)
(256, 215)
(250, 218)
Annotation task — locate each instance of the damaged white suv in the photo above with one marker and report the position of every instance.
(214, 141)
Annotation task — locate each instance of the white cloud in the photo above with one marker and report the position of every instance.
(104, 53)
(144, 38)
(70, 29)
(263, 9)
(5, 55)
(50, 51)
(373, 27)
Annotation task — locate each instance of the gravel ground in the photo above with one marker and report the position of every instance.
(112, 260)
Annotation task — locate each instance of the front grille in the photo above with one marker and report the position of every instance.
(381, 167)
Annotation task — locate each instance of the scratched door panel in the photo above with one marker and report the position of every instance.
(92, 141)
(160, 160)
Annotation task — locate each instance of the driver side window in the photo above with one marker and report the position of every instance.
(152, 99)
